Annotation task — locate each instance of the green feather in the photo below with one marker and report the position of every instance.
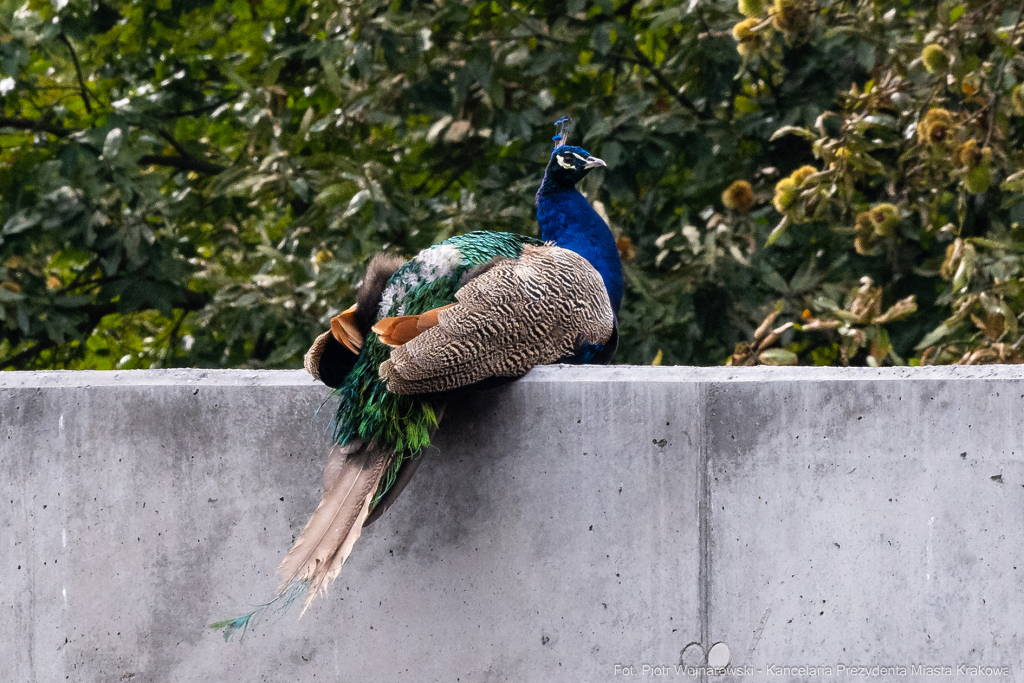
(366, 408)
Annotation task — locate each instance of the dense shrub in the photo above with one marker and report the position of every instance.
(201, 182)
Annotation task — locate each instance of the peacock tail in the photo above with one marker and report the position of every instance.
(474, 309)
(366, 409)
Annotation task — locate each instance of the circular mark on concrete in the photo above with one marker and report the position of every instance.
(692, 655)
(719, 656)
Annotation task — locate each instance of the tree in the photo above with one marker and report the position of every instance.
(201, 182)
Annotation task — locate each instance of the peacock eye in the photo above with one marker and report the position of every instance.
(563, 163)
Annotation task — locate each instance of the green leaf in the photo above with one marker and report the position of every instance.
(799, 131)
(112, 143)
(777, 232)
(934, 337)
(778, 357)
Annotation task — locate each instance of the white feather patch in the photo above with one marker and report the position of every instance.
(436, 262)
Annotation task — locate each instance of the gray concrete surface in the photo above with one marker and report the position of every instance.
(574, 526)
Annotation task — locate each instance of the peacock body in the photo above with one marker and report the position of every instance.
(476, 309)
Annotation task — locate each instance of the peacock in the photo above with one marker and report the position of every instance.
(475, 310)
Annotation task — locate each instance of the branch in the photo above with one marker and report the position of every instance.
(197, 110)
(78, 70)
(29, 124)
(182, 163)
(645, 62)
(187, 161)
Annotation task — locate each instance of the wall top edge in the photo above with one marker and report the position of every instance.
(545, 374)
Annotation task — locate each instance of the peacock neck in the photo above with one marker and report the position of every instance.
(567, 219)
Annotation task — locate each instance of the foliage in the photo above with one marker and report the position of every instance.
(201, 182)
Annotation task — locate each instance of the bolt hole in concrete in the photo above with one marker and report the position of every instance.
(718, 655)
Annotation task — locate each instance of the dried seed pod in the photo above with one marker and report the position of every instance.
(865, 244)
(968, 155)
(739, 196)
(785, 194)
(747, 40)
(1017, 99)
(884, 218)
(936, 127)
(789, 16)
(801, 174)
(863, 225)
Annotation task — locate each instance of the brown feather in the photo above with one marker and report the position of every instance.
(350, 480)
(519, 313)
(402, 329)
(344, 328)
(397, 330)
(429, 319)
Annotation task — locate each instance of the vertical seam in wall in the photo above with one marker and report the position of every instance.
(703, 522)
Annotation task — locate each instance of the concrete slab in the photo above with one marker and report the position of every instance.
(868, 523)
(553, 531)
(578, 525)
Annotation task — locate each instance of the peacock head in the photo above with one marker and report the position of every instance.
(568, 165)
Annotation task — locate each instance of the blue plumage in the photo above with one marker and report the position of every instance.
(567, 219)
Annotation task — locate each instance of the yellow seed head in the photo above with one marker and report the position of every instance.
(785, 194)
(801, 174)
(968, 155)
(884, 218)
(747, 41)
(863, 226)
(739, 196)
(865, 244)
(1017, 98)
(934, 58)
(936, 127)
(788, 16)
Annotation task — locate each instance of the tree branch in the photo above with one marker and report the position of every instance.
(642, 60)
(29, 124)
(182, 163)
(187, 162)
(78, 70)
(197, 110)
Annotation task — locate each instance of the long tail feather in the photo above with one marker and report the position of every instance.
(350, 481)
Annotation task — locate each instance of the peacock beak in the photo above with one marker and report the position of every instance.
(594, 162)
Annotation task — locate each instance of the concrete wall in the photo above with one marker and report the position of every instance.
(576, 520)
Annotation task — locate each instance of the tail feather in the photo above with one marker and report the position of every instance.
(350, 481)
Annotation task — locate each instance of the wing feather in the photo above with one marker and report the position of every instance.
(520, 313)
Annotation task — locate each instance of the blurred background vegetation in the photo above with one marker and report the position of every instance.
(202, 182)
